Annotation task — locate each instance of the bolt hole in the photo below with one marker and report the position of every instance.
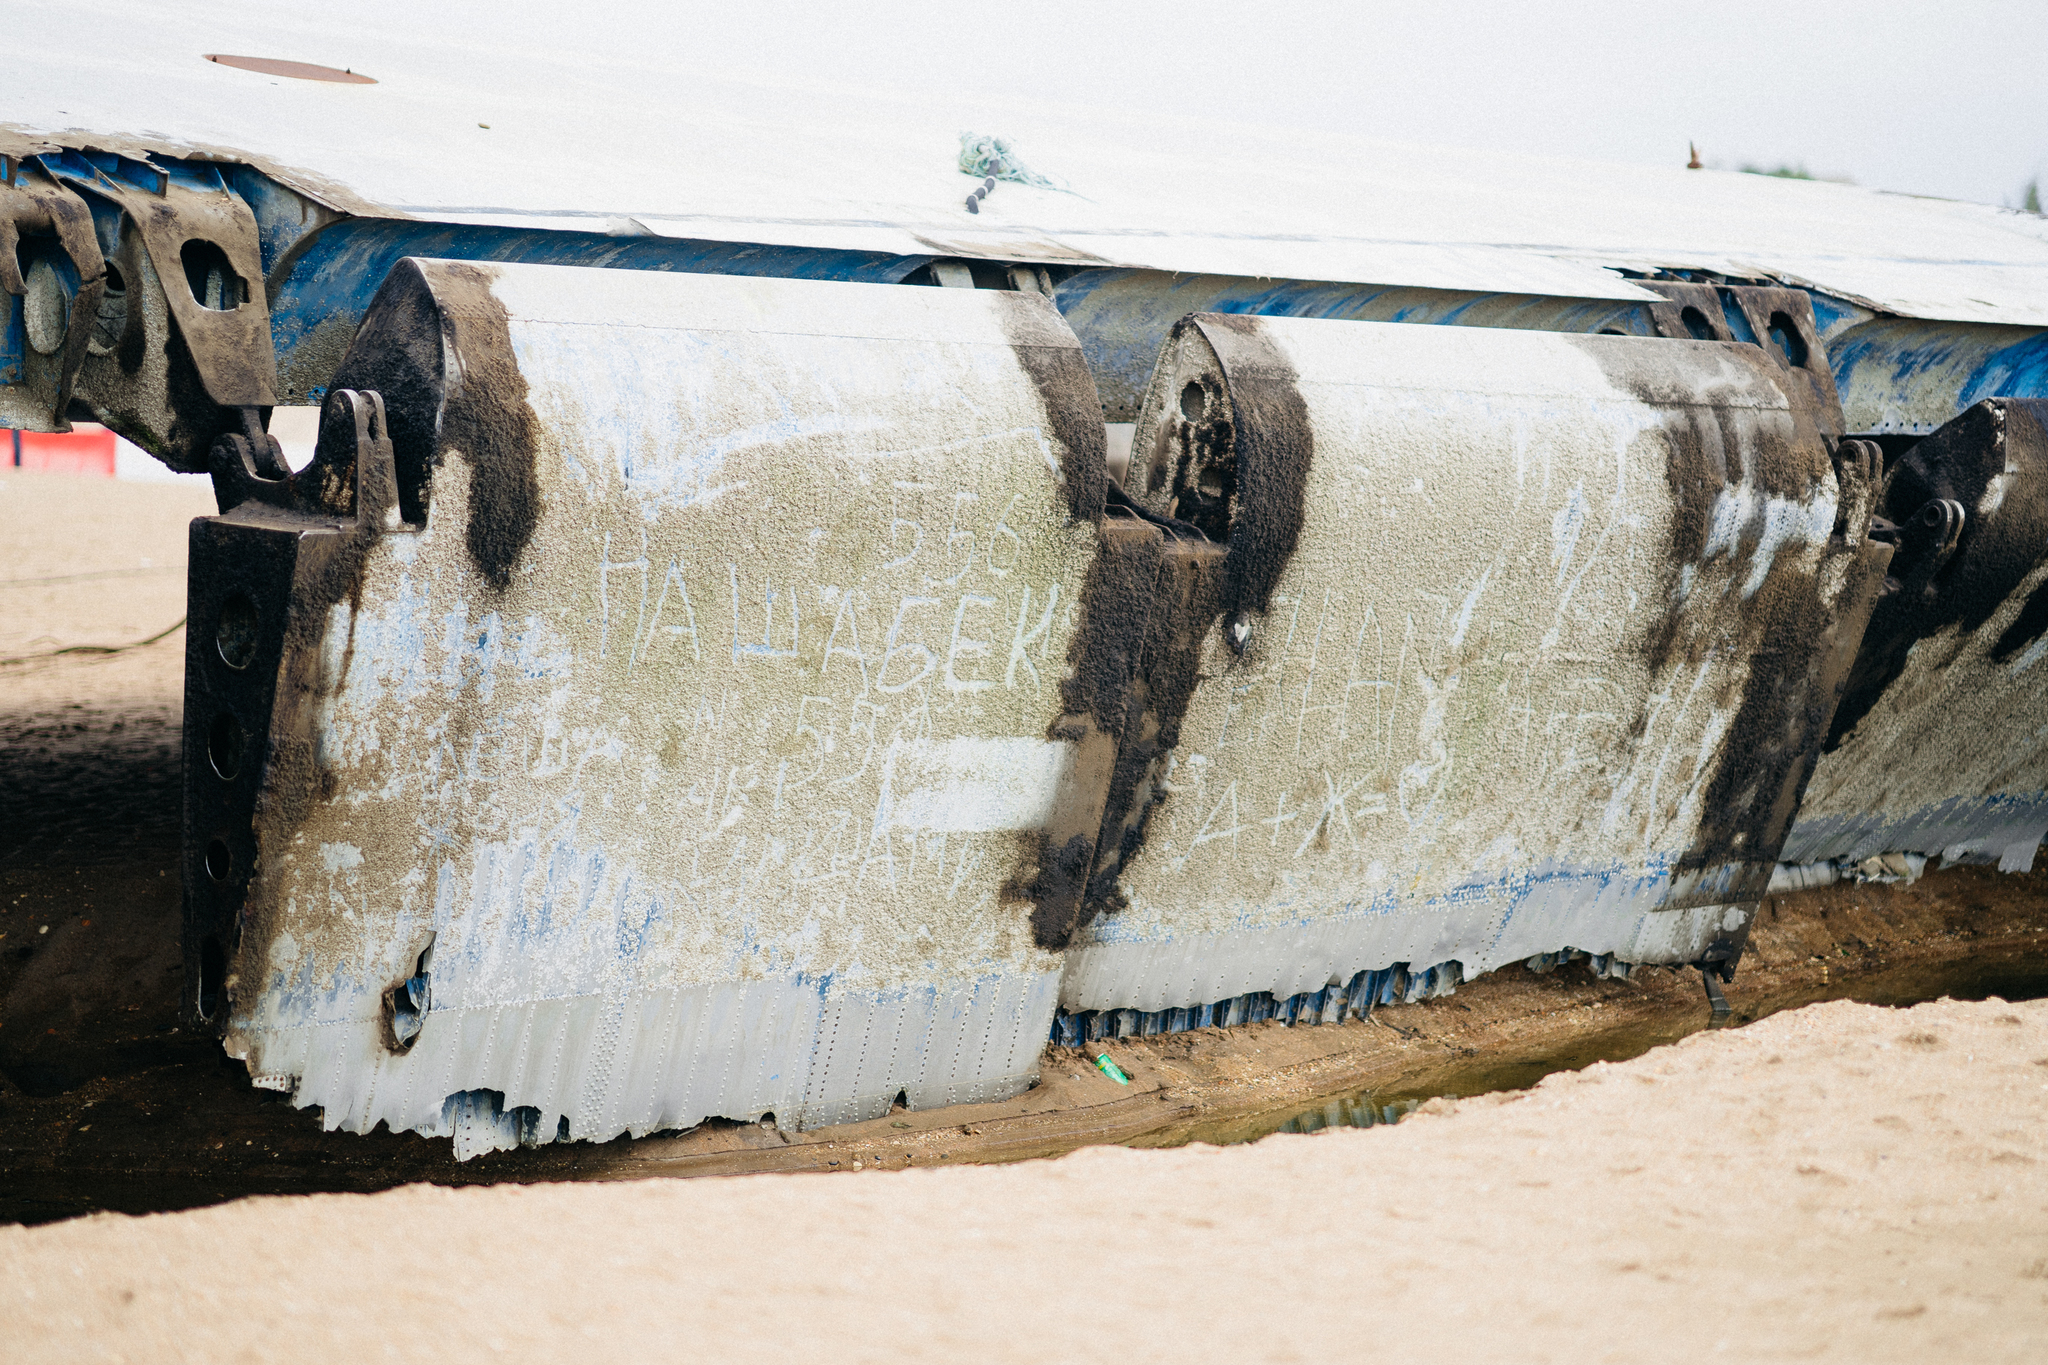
(1786, 335)
(219, 862)
(213, 976)
(1193, 402)
(235, 634)
(212, 280)
(224, 746)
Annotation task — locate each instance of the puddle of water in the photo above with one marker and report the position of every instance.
(1363, 1110)
(1967, 980)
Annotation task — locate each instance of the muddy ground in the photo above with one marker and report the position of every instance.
(106, 1104)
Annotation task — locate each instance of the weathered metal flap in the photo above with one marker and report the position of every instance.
(1522, 637)
(730, 721)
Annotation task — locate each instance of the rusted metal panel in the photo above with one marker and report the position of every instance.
(1522, 642)
(696, 740)
(1780, 321)
(52, 275)
(1938, 746)
(143, 304)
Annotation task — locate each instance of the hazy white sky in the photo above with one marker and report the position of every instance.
(1946, 99)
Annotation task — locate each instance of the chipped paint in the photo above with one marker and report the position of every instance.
(706, 783)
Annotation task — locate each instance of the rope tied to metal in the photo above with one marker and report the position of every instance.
(994, 158)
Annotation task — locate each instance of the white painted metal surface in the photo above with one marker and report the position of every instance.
(608, 137)
(709, 808)
(1554, 601)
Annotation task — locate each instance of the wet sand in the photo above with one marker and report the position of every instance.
(1841, 1182)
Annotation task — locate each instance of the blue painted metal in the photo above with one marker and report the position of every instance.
(1895, 374)
(1909, 376)
(1123, 316)
(13, 340)
(282, 216)
(92, 170)
(1832, 315)
(334, 274)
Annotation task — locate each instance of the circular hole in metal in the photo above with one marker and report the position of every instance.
(213, 975)
(219, 862)
(46, 312)
(1193, 402)
(212, 280)
(224, 746)
(298, 71)
(234, 635)
(1786, 334)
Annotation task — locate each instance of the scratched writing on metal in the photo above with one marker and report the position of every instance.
(1393, 695)
(648, 689)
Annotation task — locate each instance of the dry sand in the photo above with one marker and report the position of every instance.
(91, 561)
(1841, 1182)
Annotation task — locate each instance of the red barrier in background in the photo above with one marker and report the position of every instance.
(86, 449)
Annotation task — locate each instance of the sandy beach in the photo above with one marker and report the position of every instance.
(1842, 1182)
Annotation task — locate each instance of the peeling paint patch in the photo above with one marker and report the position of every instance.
(340, 857)
(969, 785)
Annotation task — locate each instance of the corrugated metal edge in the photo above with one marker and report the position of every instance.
(668, 1057)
